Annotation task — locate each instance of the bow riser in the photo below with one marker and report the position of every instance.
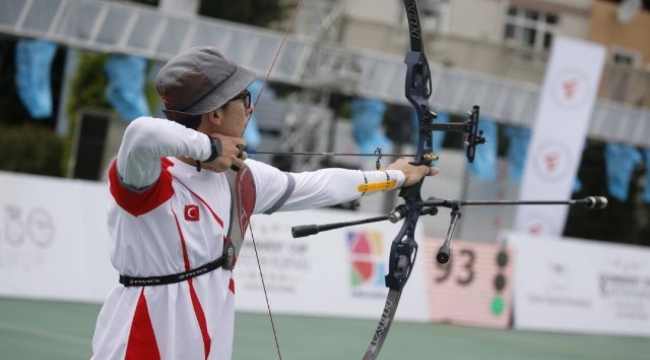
(417, 89)
(403, 253)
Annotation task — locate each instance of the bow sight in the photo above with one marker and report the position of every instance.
(473, 136)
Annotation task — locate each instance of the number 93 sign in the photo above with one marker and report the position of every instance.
(474, 288)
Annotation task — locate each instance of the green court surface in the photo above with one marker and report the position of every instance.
(31, 330)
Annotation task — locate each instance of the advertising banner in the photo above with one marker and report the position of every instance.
(580, 286)
(335, 273)
(54, 239)
(566, 102)
(474, 288)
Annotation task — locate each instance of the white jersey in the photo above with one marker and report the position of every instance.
(164, 218)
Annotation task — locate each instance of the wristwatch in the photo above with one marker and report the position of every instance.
(215, 147)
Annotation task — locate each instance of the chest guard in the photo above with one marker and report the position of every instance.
(242, 193)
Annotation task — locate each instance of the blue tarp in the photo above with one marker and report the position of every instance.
(125, 90)
(620, 160)
(367, 116)
(519, 138)
(252, 134)
(33, 65)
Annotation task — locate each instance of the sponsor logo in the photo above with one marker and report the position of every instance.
(26, 236)
(570, 88)
(35, 224)
(552, 160)
(368, 267)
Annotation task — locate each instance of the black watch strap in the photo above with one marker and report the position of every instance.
(215, 147)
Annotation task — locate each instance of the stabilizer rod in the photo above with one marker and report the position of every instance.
(590, 202)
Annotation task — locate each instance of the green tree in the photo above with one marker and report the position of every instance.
(30, 149)
(86, 90)
(88, 85)
(262, 13)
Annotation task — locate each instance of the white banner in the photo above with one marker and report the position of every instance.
(563, 114)
(54, 239)
(335, 273)
(580, 286)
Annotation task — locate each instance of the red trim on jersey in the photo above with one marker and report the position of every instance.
(198, 310)
(200, 317)
(138, 203)
(186, 257)
(214, 215)
(231, 286)
(142, 339)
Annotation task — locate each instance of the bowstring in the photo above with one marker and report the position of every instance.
(250, 225)
(266, 296)
(275, 57)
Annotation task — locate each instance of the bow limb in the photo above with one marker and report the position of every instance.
(384, 324)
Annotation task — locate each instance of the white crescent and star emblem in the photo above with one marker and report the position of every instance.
(191, 213)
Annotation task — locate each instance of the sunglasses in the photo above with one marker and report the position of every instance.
(246, 96)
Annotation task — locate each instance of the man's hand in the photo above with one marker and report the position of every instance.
(413, 173)
(232, 153)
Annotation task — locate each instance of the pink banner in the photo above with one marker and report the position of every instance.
(474, 288)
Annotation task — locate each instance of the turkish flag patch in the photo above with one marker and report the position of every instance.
(192, 213)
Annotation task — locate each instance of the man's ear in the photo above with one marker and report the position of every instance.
(215, 117)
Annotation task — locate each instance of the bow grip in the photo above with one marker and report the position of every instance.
(412, 191)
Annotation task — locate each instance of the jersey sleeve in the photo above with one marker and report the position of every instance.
(147, 140)
(283, 191)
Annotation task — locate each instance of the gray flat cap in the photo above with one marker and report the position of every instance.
(198, 81)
